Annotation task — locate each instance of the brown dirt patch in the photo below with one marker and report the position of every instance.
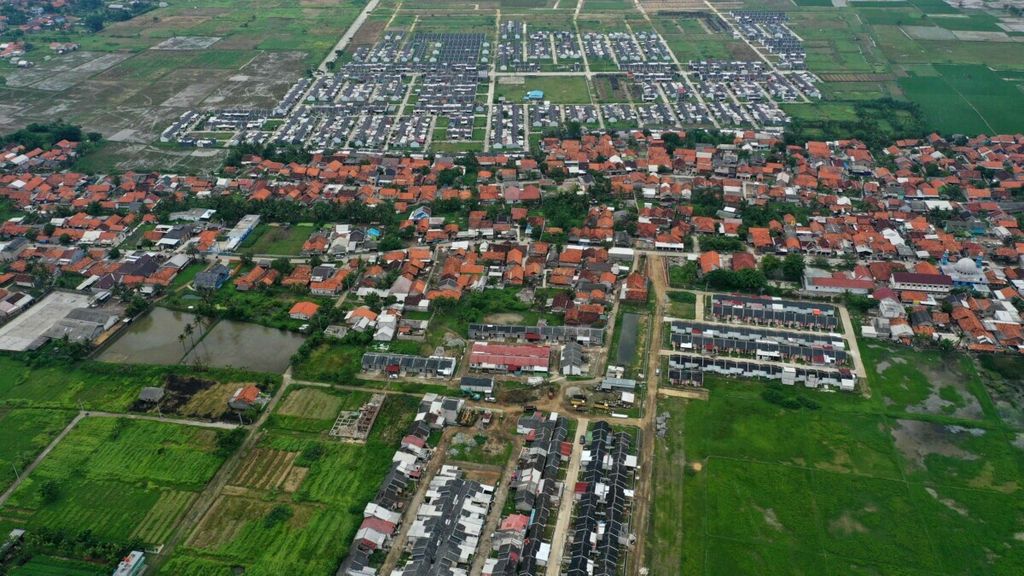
(917, 440)
(266, 469)
(504, 318)
(225, 520)
(847, 525)
(211, 402)
(294, 479)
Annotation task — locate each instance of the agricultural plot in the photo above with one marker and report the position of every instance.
(50, 566)
(119, 478)
(98, 385)
(134, 77)
(296, 502)
(23, 434)
(315, 409)
(923, 478)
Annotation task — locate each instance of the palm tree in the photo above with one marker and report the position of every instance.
(181, 340)
(189, 331)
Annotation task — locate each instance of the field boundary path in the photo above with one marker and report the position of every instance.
(565, 507)
(851, 338)
(42, 456)
(204, 502)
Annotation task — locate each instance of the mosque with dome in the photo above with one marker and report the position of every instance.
(965, 273)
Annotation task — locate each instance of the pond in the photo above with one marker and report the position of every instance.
(627, 340)
(152, 339)
(248, 346)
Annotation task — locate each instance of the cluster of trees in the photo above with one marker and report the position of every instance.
(878, 123)
(756, 281)
(673, 140)
(565, 210)
(73, 544)
(706, 201)
(790, 268)
(285, 153)
(45, 135)
(721, 243)
(759, 216)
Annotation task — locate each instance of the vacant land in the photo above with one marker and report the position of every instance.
(121, 479)
(50, 566)
(93, 385)
(277, 240)
(297, 500)
(557, 90)
(923, 478)
(134, 78)
(315, 409)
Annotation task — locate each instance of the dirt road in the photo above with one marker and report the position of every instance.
(494, 516)
(433, 465)
(656, 271)
(562, 525)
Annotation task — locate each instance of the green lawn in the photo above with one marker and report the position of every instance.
(682, 305)
(898, 484)
(557, 89)
(277, 240)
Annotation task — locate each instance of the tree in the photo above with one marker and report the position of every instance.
(94, 22)
(282, 265)
(65, 239)
(771, 266)
(793, 267)
(114, 253)
(49, 491)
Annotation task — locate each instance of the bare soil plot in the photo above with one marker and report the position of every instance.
(917, 440)
(211, 402)
(267, 469)
(187, 43)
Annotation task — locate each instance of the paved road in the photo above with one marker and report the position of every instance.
(562, 525)
(851, 340)
(347, 36)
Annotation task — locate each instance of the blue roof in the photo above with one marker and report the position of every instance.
(535, 94)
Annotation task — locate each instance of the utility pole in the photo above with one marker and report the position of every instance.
(17, 474)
